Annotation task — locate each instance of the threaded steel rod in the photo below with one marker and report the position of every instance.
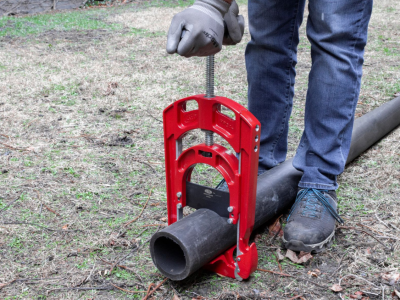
(209, 137)
(209, 94)
(210, 77)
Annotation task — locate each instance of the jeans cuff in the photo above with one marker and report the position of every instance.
(318, 186)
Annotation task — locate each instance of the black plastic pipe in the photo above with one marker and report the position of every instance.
(185, 246)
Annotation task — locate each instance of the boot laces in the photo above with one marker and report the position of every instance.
(312, 203)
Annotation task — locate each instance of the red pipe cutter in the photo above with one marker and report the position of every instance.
(239, 170)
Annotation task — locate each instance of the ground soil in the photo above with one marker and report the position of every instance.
(81, 155)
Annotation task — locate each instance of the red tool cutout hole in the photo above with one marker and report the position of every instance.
(191, 105)
(227, 112)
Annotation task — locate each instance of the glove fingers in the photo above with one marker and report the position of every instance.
(174, 36)
(235, 27)
(241, 24)
(186, 45)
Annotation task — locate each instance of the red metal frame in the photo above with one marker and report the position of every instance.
(242, 133)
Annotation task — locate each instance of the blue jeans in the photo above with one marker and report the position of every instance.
(337, 31)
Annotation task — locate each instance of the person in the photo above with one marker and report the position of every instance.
(337, 32)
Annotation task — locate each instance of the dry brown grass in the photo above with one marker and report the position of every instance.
(82, 154)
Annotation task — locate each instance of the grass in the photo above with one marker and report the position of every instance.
(87, 155)
(74, 20)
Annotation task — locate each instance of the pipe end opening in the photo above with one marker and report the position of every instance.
(169, 256)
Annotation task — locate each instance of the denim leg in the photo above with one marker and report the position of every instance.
(271, 56)
(337, 31)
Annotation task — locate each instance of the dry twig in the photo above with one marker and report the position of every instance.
(156, 288)
(370, 234)
(12, 202)
(127, 291)
(51, 210)
(3, 285)
(135, 219)
(12, 148)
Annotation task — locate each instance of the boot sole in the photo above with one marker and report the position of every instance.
(295, 245)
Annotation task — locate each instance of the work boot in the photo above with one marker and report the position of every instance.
(311, 223)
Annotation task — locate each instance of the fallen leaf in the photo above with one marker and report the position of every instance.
(275, 229)
(391, 278)
(397, 293)
(359, 293)
(336, 288)
(368, 251)
(163, 219)
(302, 253)
(175, 297)
(314, 273)
(397, 94)
(65, 227)
(279, 254)
(298, 260)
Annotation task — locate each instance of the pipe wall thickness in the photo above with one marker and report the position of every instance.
(185, 246)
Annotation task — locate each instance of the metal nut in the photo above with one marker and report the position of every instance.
(238, 259)
(230, 208)
(179, 194)
(179, 205)
(230, 221)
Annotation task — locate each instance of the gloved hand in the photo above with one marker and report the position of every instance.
(199, 29)
(234, 25)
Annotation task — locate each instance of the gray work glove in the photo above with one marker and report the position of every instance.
(234, 25)
(199, 29)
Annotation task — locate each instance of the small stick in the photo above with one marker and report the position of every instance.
(127, 291)
(11, 147)
(122, 267)
(355, 276)
(295, 297)
(153, 225)
(40, 226)
(130, 222)
(145, 163)
(121, 259)
(370, 228)
(12, 202)
(3, 285)
(279, 264)
(30, 123)
(376, 215)
(6, 136)
(349, 227)
(48, 208)
(340, 264)
(53, 211)
(153, 117)
(148, 289)
(156, 288)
